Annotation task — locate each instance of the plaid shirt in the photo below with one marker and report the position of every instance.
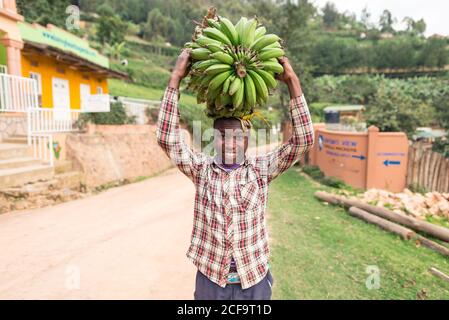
(229, 209)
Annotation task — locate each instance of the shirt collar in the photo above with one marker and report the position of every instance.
(217, 162)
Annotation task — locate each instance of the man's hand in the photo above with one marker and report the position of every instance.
(181, 69)
(289, 77)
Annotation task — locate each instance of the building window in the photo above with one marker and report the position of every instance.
(38, 78)
(99, 90)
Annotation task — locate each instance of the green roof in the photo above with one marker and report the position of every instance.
(345, 108)
(63, 40)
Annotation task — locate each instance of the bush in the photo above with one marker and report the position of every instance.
(333, 182)
(441, 145)
(117, 116)
(314, 172)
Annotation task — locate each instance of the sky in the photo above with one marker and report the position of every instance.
(434, 12)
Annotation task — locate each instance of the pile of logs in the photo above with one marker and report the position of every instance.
(405, 226)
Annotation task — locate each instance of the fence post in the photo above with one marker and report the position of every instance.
(373, 133)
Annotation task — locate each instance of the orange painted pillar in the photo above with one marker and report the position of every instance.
(373, 133)
(13, 49)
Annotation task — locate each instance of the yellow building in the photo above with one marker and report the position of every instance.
(66, 68)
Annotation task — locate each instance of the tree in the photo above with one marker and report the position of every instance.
(44, 11)
(331, 16)
(415, 27)
(386, 22)
(365, 18)
(111, 29)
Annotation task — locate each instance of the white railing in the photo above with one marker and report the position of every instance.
(42, 145)
(3, 69)
(137, 108)
(17, 94)
(1, 4)
(46, 120)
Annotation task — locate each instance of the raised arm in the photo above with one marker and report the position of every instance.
(168, 131)
(302, 138)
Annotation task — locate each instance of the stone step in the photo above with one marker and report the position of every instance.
(16, 139)
(18, 162)
(63, 166)
(19, 176)
(70, 180)
(13, 150)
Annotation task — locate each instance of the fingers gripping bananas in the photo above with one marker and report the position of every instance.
(234, 65)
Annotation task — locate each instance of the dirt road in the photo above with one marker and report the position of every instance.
(126, 243)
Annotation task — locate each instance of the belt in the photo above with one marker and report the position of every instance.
(233, 276)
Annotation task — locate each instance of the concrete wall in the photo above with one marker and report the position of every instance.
(116, 153)
(364, 160)
(12, 124)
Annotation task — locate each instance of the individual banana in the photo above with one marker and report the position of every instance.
(269, 53)
(216, 34)
(229, 30)
(264, 41)
(240, 26)
(227, 84)
(273, 66)
(268, 78)
(249, 33)
(200, 54)
(204, 41)
(217, 68)
(235, 85)
(204, 64)
(259, 83)
(237, 98)
(259, 32)
(250, 91)
(223, 57)
(218, 80)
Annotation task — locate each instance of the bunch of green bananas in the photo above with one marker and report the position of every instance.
(234, 66)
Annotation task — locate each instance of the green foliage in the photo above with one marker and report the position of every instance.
(441, 146)
(44, 11)
(392, 104)
(333, 182)
(314, 172)
(117, 116)
(308, 232)
(392, 109)
(111, 29)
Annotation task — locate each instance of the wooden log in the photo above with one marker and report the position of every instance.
(405, 233)
(395, 228)
(327, 197)
(439, 274)
(432, 245)
(438, 232)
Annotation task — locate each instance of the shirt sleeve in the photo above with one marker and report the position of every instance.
(302, 139)
(170, 139)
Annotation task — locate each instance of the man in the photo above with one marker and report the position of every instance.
(229, 241)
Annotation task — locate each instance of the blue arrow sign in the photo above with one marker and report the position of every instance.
(389, 163)
(361, 157)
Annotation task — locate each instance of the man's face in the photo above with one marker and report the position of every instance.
(230, 141)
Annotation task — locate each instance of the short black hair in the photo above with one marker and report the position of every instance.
(241, 122)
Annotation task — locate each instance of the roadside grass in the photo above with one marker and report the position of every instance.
(318, 251)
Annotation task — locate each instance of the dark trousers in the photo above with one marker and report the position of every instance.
(208, 290)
